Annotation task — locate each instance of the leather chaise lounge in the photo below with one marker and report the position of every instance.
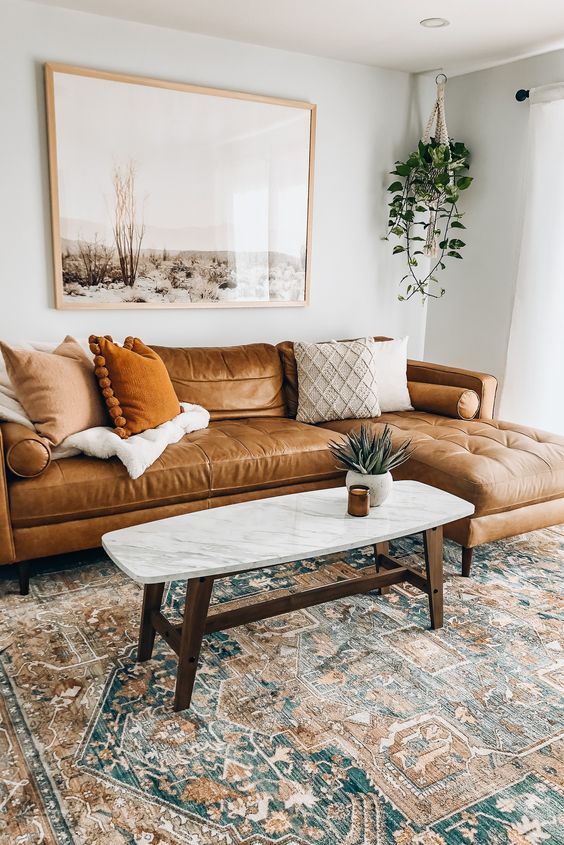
(254, 448)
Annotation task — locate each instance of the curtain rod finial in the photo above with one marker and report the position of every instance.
(521, 95)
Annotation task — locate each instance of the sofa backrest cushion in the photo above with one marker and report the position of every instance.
(231, 382)
(290, 368)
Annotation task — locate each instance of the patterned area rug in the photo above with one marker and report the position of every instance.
(347, 723)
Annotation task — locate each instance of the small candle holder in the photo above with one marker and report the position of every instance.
(359, 500)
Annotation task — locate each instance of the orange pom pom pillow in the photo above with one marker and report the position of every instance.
(135, 384)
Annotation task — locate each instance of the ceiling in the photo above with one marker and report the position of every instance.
(385, 33)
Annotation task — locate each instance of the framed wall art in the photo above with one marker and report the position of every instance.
(172, 195)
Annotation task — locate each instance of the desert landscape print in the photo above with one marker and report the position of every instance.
(171, 196)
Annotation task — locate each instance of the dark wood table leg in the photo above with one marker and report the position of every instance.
(198, 594)
(152, 598)
(433, 543)
(381, 549)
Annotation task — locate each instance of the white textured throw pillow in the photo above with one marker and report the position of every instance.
(336, 381)
(391, 375)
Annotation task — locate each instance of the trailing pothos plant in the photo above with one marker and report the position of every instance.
(424, 212)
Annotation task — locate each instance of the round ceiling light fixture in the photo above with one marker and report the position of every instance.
(434, 23)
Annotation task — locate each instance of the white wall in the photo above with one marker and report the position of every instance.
(363, 119)
(469, 327)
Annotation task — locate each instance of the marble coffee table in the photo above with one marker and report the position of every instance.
(200, 547)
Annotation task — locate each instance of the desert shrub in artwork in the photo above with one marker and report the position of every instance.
(96, 258)
(93, 270)
(120, 268)
(73, 271)
(179, 272)
(129, 227)
(286, 282)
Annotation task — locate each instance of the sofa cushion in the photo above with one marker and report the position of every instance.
(259, 453)
(229, 381)
(495, 465)
(229, 457)
(82, 487)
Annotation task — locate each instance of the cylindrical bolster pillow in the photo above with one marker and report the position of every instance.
(27, 454)
(457, 402)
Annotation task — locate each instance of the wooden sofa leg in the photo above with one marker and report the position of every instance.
(466, 561)
(23, 575)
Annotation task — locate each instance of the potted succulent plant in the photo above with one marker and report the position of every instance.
(369, 457)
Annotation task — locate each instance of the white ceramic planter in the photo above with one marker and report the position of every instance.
(380, 486)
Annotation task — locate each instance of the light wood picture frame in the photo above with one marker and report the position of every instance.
(170, 195)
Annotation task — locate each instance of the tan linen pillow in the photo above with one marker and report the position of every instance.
(57, 390)
(336, 381)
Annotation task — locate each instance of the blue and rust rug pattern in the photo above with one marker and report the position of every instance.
(346, 724)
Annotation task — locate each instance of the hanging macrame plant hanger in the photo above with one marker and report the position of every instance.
(436, 128)
(424, 205)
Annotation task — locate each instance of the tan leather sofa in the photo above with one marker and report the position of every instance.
(254, 448)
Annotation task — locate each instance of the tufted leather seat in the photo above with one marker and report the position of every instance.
(495, 465)
(80, 487)
(258, 453)
(231, 456)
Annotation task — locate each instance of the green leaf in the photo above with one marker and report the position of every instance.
(455, 243)
(454, 254)
(402, 170)
(456, 224)
(398, 249)
(464, 182)
(395, 186)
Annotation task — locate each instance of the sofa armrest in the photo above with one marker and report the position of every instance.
(7, 548)
(482, 383)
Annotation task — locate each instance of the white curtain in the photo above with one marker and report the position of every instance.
(533, 388)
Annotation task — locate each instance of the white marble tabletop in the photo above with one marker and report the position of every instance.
(266, 532)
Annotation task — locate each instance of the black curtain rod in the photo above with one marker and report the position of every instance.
(522, 95)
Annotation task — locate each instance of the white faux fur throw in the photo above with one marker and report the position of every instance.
(139, 451)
